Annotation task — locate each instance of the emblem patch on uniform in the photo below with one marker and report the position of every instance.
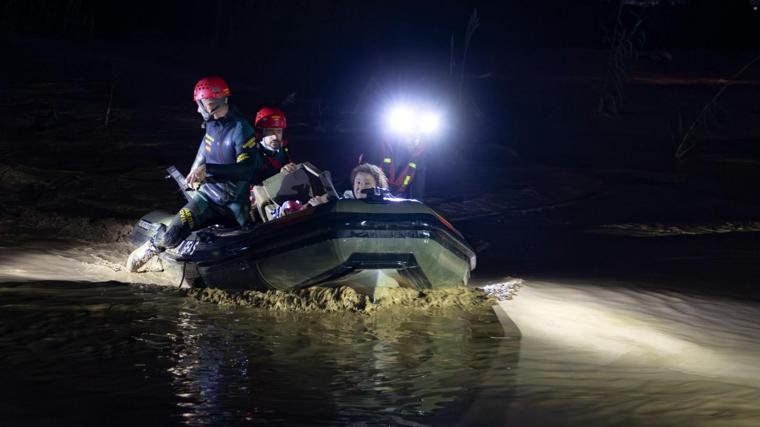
(186, 217)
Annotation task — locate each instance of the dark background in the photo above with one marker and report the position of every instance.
(534, 71)
(105, 87)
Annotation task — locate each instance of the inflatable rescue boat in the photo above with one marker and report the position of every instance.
(370, 244)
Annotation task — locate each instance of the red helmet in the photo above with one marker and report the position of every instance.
(213, 87)
(270, 117)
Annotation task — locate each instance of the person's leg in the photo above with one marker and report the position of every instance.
(194, 215)
(240, 212)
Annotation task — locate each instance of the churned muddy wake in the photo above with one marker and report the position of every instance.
(344, 298)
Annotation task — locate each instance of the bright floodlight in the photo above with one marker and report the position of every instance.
(430, 123)
(401, 119)
(413, 121)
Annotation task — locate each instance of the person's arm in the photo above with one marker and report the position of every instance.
(248, 159)
(284, 158)
(318, 200)
(197, 171)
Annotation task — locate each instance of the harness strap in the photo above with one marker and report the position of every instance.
(275, 164)
(402, 180)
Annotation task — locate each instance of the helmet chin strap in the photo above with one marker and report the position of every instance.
(209, 115)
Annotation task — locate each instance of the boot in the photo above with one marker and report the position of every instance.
(141, 256)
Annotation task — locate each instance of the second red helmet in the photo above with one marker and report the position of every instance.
(271, 118)
(212, 87)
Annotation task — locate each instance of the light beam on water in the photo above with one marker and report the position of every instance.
(617, 353)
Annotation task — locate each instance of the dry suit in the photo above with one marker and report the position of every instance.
(228, 149)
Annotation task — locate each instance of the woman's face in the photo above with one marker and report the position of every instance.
(363, 181)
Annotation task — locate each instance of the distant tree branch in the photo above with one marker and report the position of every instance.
(708, 112)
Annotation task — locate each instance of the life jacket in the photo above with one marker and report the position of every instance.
(399, 180)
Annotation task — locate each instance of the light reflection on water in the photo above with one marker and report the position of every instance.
(74, 354)
(610, 354)
(84, 354)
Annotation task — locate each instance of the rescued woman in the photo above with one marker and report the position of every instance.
(365, 176)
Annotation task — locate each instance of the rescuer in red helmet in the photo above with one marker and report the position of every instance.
(270, 124)
(226, 163)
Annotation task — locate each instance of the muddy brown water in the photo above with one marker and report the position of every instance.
(617, 329)
(600, 349)
(112, 354)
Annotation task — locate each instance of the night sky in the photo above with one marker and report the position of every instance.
(330, 49)
(532, 81)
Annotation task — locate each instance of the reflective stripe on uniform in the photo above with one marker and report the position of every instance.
(186, 217)
(407, 179)
(242, 157)
(208, 138)
(413, 165)
(387, 160)
(250, 143)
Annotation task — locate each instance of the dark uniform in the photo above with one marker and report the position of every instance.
(272, 161)
(228, 149)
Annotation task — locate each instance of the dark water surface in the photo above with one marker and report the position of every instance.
(618, 331)
(111, 354)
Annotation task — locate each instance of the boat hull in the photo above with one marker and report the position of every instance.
(370, 246)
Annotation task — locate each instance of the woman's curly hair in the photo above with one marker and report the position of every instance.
(374, 171)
